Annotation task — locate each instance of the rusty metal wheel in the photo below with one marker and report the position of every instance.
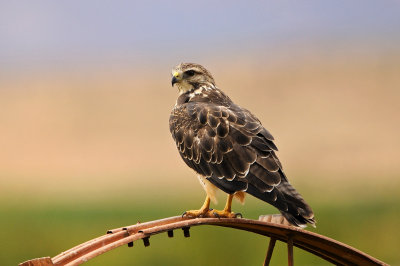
(321, 246)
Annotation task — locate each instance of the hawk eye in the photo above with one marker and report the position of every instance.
(190, 73)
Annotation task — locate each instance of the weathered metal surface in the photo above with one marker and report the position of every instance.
(324, 247)
(46, 261)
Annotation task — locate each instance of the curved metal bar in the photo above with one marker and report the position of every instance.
(324, 247)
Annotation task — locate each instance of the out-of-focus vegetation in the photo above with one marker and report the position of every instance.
(46, 227)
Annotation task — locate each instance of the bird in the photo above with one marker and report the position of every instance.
(229, 149)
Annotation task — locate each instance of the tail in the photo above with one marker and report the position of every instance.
(288, 201)
(298, 212)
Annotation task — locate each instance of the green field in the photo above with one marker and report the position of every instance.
(32, 229)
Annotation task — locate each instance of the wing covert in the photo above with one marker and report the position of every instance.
(226, 143)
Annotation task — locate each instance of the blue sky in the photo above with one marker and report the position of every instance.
(44, 32)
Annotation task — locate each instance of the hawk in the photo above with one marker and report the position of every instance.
(228, 148)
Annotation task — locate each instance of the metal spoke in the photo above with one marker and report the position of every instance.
(290, 251)
(271, 246)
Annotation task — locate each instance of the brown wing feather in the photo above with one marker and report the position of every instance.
(224, 143)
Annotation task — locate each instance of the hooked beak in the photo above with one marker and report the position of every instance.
(174, 80)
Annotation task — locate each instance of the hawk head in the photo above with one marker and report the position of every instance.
(190, 76)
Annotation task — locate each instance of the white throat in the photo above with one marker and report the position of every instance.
(184, 87)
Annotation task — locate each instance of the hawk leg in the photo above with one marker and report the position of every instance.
(202, 212)
(227, 211)
(206, 212)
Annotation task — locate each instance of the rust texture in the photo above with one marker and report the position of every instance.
(322, 246)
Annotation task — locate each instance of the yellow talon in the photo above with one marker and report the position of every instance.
(201, 212)
(206, 212)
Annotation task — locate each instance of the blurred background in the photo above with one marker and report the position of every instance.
(85, 97)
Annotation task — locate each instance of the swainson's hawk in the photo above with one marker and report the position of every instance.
(228, 148)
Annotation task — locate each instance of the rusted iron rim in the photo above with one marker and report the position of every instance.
(322, 246)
